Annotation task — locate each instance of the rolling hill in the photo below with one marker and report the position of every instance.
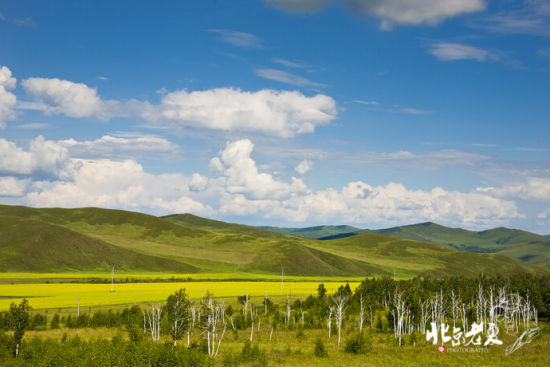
(408, 258)
(89, 238)
(31, 245)
(318, 232)
(517, 244)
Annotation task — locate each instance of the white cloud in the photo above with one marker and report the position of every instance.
(55, 178)
(117, 184)
(304, 167)
(111, 146)
(291, 64)
(391, 12)
(7, 99)
(283, 114)
(72, 99)
(288, 78)
(366, 103)
(298, 6)
(11, 186)
(531, 188)
(43, 158)
(416, 111)
(279, 113)
(530, 17)
(414, 12)
(446, 51)
(240, 39)
(415, 161)
(242, 177)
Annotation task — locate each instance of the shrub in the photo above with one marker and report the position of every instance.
(358, 344)
(320, 349)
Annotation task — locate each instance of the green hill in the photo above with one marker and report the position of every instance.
(318, 232)
(197, 244)
(30, 245)
(190, 220)
(89, 238)
(514, 243)
(409, 258)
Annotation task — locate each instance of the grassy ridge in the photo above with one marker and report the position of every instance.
(409, 258)
(317, 232)
(197, 245)
(187, 243)
(517, 244)
(37, 246)
(513, 243)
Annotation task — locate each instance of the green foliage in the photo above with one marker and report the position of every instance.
(18, 320)
(251, 355)
(178, 314)
(102, 352)
(54, 323)
(358, 344)
(320, 349)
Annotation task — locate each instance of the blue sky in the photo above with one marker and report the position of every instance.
(281, 112)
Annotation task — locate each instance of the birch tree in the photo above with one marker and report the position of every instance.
(178, 313)
(340, 302)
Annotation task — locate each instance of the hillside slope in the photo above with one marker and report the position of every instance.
(30, 245)
(317, 232)
(517, 244)
(223, 248)
(88, 238)
(409, 258)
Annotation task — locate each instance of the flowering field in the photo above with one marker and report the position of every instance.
(59, 295)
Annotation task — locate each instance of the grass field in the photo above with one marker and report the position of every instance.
(286, 349)
(61, 295)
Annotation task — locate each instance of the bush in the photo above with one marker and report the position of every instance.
(358, 344)
(320, 349)
(54, 324)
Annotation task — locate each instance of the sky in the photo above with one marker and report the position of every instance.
(372, 113)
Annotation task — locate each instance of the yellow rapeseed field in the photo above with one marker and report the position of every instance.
(61, 295)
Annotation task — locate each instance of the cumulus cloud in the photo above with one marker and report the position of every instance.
(117, 184)
(69, 98)
(304, 167)
(11, 186)
(279, 113)
(240, 39)
(283, 114)
(47, 174)
(7, 99)
(447, 51)
(241, 175)
(288, 78)
(298, 6)
(531, 188)
(42, 158)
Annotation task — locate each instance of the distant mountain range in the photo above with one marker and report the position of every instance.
(517, 244)
(94, 239)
